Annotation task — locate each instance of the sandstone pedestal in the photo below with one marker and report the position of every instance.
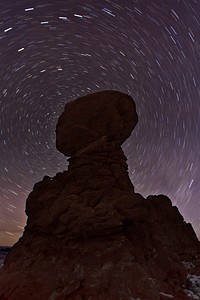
(88, 234)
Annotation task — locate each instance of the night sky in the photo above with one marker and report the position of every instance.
(53, 51)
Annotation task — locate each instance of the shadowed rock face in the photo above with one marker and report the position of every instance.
(87, 119)
(88, 234)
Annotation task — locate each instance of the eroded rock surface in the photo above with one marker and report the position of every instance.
(87, 119)
(88, 234)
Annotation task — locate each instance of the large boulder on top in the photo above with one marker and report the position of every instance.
(87, 119)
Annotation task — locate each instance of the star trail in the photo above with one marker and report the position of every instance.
(55, 51)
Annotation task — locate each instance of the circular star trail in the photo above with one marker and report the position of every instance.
(55, 51)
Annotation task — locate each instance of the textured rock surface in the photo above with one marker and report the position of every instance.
(87, 119)
(90, 236)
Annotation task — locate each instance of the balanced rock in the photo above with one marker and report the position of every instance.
(87, 119)
(88, 234)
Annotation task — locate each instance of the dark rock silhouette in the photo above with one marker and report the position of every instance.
(87, 119)
(88, 234)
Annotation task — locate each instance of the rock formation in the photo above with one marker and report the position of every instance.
(106, 114)
(88, 234)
